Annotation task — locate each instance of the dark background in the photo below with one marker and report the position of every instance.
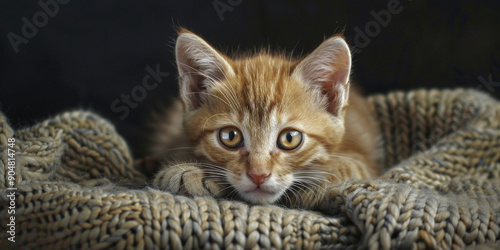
(91, 52)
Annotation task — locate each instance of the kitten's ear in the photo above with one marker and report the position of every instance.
(200, 67)
(328, 68)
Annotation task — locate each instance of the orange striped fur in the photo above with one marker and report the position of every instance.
(263, 95)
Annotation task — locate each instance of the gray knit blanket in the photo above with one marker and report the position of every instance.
(69, 182)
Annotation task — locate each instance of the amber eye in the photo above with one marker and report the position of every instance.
(231, 137)
(289, 139)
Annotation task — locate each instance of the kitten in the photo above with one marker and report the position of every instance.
(266, 128)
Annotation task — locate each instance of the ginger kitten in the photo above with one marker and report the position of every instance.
(266, 128)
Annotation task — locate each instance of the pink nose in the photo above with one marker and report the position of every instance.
(258, 179)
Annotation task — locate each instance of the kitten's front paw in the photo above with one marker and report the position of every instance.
(188, 179)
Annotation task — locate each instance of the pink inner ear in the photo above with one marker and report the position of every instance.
(328, 68)
(196, 90)
(333, 81)
(192, 84)
(199, 66)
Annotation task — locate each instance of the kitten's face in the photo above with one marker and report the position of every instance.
(262, 119)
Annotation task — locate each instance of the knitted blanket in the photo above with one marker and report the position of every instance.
(70, 183)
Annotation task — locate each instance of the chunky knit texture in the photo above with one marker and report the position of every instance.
(441, 188)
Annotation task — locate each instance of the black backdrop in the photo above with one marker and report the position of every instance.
(58, 55)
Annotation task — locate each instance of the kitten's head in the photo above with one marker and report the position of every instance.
(268, 121)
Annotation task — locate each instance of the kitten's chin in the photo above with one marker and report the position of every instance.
(267, 193)
(260, 196)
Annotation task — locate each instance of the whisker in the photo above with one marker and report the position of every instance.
(204, 168)
(228, 187)
(306, 181)
(313, 171)
(294, 193)
(304, 184)
(287, 197)
(233, 193)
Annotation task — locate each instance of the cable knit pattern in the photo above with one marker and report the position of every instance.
(77, 188)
